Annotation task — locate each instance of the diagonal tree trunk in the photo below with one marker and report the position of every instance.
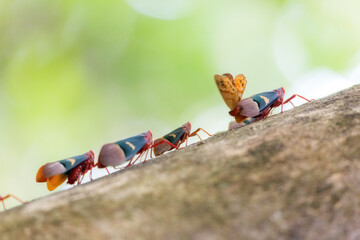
(294, 175)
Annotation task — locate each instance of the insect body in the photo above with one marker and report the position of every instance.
(2, 199)
(260, 105)
(114, 154)
(55, 173)
(175, 138)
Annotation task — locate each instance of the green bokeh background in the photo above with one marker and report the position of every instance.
(77, 74)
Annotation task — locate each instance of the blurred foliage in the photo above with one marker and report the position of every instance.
(77, 74)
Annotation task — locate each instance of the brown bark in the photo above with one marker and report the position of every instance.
(291, 176)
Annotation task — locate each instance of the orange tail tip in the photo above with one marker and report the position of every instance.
(40, 175)
(55, 181)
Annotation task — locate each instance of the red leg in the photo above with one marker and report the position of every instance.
(16, 198)
(200, 129)
(164, 141)
(196, 133)
(139, 158)
(289, 100)
(292, 103)
(129, 164)
(146, 154)
(8, 196)
(293, 96)
(80, 179)
(132, 163)
(2, 200)
(105, 168)
(90, 176)
(271, 112)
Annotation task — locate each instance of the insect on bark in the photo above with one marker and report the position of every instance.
(251, 109)
(117, 153)
(260, 105)
(73, 169)
(175, 138)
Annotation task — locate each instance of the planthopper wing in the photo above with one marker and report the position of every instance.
(55, 181)
(132, 145)
(265, 99)
(173, 137)
(240, 84)
(227, 90)
(256, 104)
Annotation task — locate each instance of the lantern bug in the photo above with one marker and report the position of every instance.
(176, 138)
(231, 89)
(73, 169)
(2, 199)
(260, 105)
(115, 154)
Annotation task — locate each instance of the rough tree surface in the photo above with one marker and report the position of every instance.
(294, 175)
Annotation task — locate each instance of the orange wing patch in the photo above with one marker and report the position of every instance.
(55, 181)
(240, 84)
(228, 91)
(40, 175)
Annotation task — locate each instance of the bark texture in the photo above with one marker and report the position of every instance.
(291, 176)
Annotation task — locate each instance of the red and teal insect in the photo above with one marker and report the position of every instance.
(117, 153)
(2, 199)
(259, 106)
(175, 138)
(73, 169)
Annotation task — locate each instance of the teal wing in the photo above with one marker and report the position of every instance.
(265, 99)
(132, 145)
(72, 162)
(175, 135)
